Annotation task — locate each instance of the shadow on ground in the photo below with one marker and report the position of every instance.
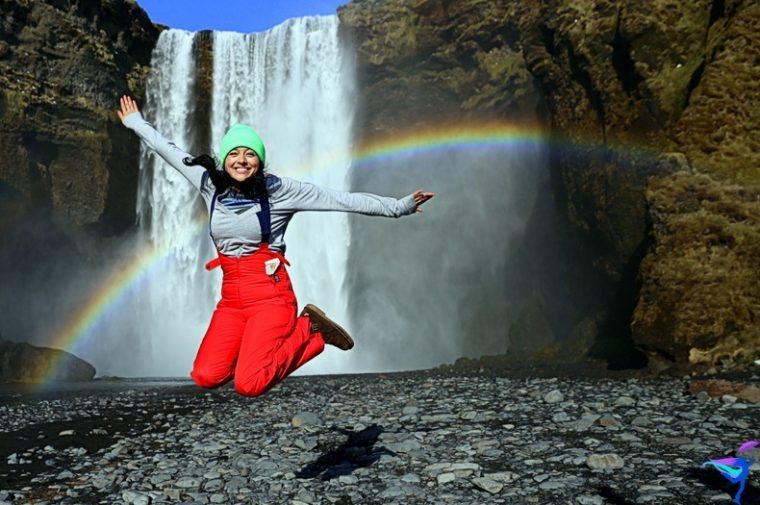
(358, 451)
(612, 497)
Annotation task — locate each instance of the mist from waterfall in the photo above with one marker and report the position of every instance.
(447, 283)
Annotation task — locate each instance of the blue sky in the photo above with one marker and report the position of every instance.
(233, 15)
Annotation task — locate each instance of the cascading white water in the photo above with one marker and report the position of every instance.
(176, 301)
(293, 84)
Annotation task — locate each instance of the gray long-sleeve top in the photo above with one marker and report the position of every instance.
(239, 233)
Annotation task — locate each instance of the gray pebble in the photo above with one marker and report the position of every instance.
(610, 461)
(554, 396)
(305, 419)
(488, 485)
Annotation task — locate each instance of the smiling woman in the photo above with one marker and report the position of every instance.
(254, 335)
(244, 16)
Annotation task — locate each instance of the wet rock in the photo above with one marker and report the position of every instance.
(410, 410)
(488, 485)
(625, 401)
(188, 483)
(609, 420)
(589, 500)
(305, 419)
(609, 461)
(642, 421)
(135, 498)
(554, 396)
(445, 477)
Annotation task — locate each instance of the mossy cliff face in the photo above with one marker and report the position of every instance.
(700, 295)
(653, 111)
(700, 291)
(436, 61)
(63, 65)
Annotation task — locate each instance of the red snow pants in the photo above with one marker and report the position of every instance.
(254, 334)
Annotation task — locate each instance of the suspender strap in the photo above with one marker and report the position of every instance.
(264, 220)
(211, 212)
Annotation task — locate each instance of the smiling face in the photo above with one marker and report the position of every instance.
(242, 163)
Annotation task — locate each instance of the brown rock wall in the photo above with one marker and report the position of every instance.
(636, 80)
(68, 169)
(718, 129)
(437, 61)
(62, 69)
(700, 294)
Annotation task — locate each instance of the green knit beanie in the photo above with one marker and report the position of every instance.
(240, 135)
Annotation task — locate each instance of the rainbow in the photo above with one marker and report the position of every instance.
(426, 140)
(80, 327)
(435, 139)
(124, 276)
(72, 335)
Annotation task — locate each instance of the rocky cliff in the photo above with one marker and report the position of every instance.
(438, 61)
(63, 65)
(651, 119)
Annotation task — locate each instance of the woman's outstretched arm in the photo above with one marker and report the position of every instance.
(295, 195)
(130, 116)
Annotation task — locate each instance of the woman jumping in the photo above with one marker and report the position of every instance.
(254, 335)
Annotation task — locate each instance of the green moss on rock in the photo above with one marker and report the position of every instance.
(700, 293)
(430, 62)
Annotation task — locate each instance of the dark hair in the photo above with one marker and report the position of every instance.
(253, 187)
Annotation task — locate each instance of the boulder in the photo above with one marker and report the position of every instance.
(21, 362)
(717, 388)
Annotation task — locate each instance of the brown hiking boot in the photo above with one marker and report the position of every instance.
(332, 333)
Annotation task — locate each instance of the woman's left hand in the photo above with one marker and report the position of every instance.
(421, 197)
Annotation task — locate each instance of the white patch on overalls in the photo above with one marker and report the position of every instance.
(270, 266)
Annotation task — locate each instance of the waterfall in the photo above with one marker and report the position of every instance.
(293, 84)
(177, 300)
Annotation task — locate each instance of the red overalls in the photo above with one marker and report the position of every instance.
(254, 334)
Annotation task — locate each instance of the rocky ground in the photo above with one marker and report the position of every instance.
(423, 437)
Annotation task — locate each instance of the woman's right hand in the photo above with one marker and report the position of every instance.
(127, 106)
